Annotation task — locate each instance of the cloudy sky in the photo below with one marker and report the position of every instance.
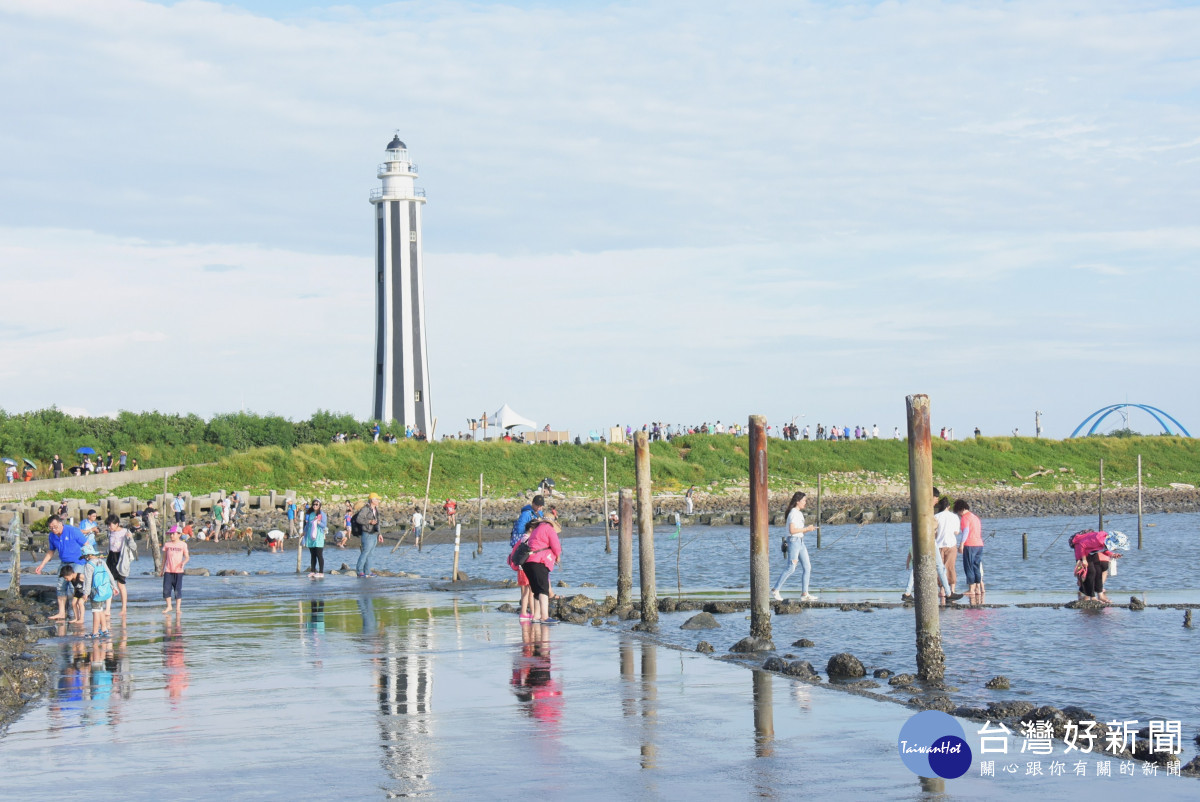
(678, 211)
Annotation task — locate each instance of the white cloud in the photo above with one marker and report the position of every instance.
(711, 209)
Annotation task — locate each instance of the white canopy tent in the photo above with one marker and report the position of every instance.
(505, 418)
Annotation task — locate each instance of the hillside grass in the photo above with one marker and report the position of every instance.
(712, 462)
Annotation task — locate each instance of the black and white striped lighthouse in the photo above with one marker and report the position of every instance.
(401, 359)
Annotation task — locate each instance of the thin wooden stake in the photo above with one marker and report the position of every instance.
(457, 537)
(1139, 502)
(425, 509)
(607, 543)
(479, 523)
(624, 548)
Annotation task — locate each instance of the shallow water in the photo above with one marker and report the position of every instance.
(372, 695)
(853, 557)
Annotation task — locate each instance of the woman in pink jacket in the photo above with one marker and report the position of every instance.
(545, 549)
(1092, 555)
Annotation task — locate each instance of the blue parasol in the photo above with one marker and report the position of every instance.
(85, 450)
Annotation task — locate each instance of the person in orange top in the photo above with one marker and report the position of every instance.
(971, 549)
(451, 508)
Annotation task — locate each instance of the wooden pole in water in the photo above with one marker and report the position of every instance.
(760, 559)
(479, 523)
(14, 531)
(607, 544)
(425, 509)
(1100, 499)
(645, 516)
(624, 547)
(457, 537)
(818, 510)
(931, 660)
(1139, 502)
(1024, 545)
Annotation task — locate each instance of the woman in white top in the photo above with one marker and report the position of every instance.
(796, 552)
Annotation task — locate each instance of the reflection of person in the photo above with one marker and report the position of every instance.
(532, 681)
(545, 549)
(367, 520)
(796, 551)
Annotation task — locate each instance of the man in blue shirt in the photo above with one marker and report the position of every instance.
(528, 513)
(66, 543)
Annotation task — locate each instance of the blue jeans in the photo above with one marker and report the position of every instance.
(972, 559)
(943, 580)
(369, 541)
(796, 553)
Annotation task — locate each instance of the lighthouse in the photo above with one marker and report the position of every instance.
(401, 358)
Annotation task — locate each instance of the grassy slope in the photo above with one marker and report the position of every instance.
(711, 462)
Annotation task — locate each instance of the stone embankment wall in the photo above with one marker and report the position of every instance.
(262, 512)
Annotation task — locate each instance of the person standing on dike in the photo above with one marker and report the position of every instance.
(796, 551)
(316, 523)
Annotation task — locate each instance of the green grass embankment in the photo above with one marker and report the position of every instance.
(712, 462)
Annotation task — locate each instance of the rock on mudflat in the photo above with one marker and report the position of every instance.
(998, 683)
(195, 572)
(804, 643)
(881, 673)
(902, 679)
(506, 608)
(1136, 604)
(749, 645)
(802, 669)
(700, 621)
(844, 665)
(704, 647)
(774, 664)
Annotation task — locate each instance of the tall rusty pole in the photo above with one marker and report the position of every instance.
(625, 548)
(645, 516)
(760, 559)
(931, 660)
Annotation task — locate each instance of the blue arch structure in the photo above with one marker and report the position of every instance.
(1154, 412)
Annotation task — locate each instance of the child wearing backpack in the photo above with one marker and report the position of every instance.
(97, 590)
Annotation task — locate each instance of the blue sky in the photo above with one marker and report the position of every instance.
(654, 211)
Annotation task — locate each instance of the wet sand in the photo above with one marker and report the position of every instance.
(351, 691)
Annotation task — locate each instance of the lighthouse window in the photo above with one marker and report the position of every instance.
(412, 236)
(417, 396)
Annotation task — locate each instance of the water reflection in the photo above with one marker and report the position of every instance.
(649, 706)
(93, 682)
(403, 678)
(764, 715)
(533, 681)
(174, 658)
